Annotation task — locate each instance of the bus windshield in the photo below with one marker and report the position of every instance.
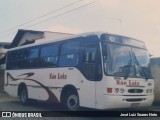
(125, 61)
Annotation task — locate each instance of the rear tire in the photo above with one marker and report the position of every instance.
(24, 96)
(71, 101)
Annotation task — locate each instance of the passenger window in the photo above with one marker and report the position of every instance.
(69, 54)
(49, 56)
(31, 53)
(30, 58)
(20, 59)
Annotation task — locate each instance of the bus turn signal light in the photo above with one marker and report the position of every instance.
(109, 90)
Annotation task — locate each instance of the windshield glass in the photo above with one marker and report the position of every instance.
(125, 61)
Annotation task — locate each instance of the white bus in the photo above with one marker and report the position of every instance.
(94, 70)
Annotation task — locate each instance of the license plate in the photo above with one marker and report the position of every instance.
(133, 105)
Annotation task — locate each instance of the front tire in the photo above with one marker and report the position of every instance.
(71, 101)
(24, 96)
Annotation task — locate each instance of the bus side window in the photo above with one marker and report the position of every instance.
(89, 55)
(69, 55)
(49, 55)
(89, 62)
(30, 58)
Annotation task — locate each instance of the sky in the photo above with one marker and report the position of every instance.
(139, 19)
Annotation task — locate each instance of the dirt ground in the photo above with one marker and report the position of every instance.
(12, 104)
(8, 103)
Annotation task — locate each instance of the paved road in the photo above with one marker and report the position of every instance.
(8, 103)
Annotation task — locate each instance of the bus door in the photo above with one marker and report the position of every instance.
(90, 67)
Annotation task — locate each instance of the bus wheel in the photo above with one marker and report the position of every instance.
(71, 101)
(24, 96)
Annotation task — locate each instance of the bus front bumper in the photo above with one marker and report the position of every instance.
(114, 102)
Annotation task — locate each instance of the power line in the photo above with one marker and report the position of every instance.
(62, 14)
(54, 16)
(41, 16)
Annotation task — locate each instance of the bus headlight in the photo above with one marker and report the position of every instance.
(116, 90)
(147, 91)
(122, 90)
(150, 90)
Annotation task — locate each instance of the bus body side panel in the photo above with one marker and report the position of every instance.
(52, 79)
(11, 87)
(87, 93)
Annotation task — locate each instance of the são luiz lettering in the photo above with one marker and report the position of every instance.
(57, 76)
(129, 83)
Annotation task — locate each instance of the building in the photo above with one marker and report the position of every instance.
(24, 37)
(3, 49)
(155, 69)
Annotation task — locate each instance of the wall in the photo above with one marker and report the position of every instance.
(1, 79)
(52, 36)
(40, 37)
(30, 36)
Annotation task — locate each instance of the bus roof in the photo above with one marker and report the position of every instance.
(71, 37)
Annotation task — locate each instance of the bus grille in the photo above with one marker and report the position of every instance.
(135, 90)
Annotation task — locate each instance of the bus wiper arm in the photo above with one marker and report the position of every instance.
(140, 67)
(128, 66)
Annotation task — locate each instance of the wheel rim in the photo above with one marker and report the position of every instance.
(72, 102)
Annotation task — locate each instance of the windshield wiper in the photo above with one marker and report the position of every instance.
(140, 67)
(128, 66)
